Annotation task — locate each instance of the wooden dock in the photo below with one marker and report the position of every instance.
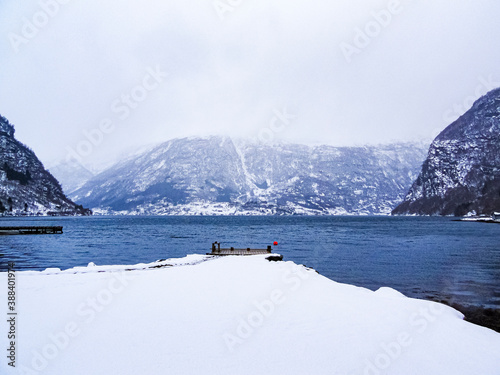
(216, 250)
(31, 230)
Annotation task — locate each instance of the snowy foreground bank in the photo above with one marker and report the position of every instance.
(232, 315)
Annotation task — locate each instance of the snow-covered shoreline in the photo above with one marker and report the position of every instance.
(484, 219)
(232, 209)
(233, 315)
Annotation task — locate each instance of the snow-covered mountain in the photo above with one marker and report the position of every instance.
(462, 172)
(218, 175)
(71, 174)
(26, 187)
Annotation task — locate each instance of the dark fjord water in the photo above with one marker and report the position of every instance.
(420, 257)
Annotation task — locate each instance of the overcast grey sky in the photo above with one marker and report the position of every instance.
(341, 72)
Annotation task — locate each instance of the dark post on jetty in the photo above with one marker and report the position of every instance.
(31, 230)
(216, 250)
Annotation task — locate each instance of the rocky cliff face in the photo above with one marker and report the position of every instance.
(461, 174)
(26, 188)
(217, 175)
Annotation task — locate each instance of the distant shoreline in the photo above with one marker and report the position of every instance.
(487, 220)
